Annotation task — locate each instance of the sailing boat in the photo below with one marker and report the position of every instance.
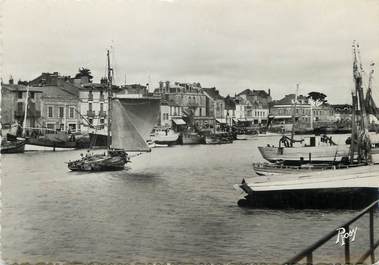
(317, 151)
(13, 144)
(130, 122)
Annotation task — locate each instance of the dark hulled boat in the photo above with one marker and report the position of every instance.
(12, 147)
(133, 119)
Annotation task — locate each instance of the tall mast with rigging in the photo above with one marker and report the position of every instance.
(109, 90)
(363, 145)
(294, 115)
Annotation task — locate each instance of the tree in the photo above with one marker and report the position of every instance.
(84, 72)
(317, 98)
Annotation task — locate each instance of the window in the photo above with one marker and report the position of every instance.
(31, 94)
(20, 106)
(19, 94)
(90, 95)
(90, 106)
(61, 112)
(50, 112)
(72, 127)
(90, 121)
(101, 106)
(101, 123)
(61, 127)
(72, 109)
(50, 126)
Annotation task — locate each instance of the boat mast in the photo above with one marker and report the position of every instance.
(294, 115)
(109, 90)
(26, 110)
(363, 145)
(354, 123)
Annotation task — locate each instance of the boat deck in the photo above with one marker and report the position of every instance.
(351, 188)
(355, 177)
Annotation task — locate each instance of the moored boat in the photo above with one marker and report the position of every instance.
(344, 189)
(267, 169)
(191, 138)
(164, 136)
(56, 139)
(218, 138)
(305, 154)
(12, 147)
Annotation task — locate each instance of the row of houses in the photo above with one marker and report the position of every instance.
(247, 108)
(71, 104)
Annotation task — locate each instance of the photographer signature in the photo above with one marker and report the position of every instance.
(344, 235)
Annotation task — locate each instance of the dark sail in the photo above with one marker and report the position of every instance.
(370, 103)
(132, 121)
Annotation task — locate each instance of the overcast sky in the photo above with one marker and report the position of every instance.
(232, 45)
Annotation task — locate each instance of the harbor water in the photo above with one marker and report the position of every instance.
(174, 204)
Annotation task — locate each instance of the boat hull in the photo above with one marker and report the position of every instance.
(165, 137)
(305, 155)
(99, 163)
(13, 147)
(217, 140)
(50, 143)
(191, 138)
(336, 198)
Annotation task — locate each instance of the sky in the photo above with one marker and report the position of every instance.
(230, 44)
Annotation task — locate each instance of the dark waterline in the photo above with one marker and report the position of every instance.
(174, 204)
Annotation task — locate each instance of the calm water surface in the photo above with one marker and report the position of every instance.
(174, 204)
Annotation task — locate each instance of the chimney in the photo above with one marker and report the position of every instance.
(11, 81)
(167, 86)
(161, 86)
(269, 92)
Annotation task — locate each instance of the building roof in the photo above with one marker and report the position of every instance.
(20, 88)
(57, 92)
(289, 100)
(259, 93)
(97, 86)
(213, 93)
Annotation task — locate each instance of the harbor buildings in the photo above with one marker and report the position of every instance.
(252, 107)
(13, 102)
(93, 106)
(180, 100)
(132, 91)
(306, 115)
(214, 103)
(230, 110)
(60, 98)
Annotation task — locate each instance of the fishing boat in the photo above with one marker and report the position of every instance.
(313, 150)
(10, 143)
(12, 147)
(349, 188)
(164, 136)
(133, 120)
(268, 169)
(189, 137)
(50, 138)
(152, 144)
(321, 154)
(321, 186)
(218, 138)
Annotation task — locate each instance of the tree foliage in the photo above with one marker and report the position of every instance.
(82, 72)
(317, 97)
